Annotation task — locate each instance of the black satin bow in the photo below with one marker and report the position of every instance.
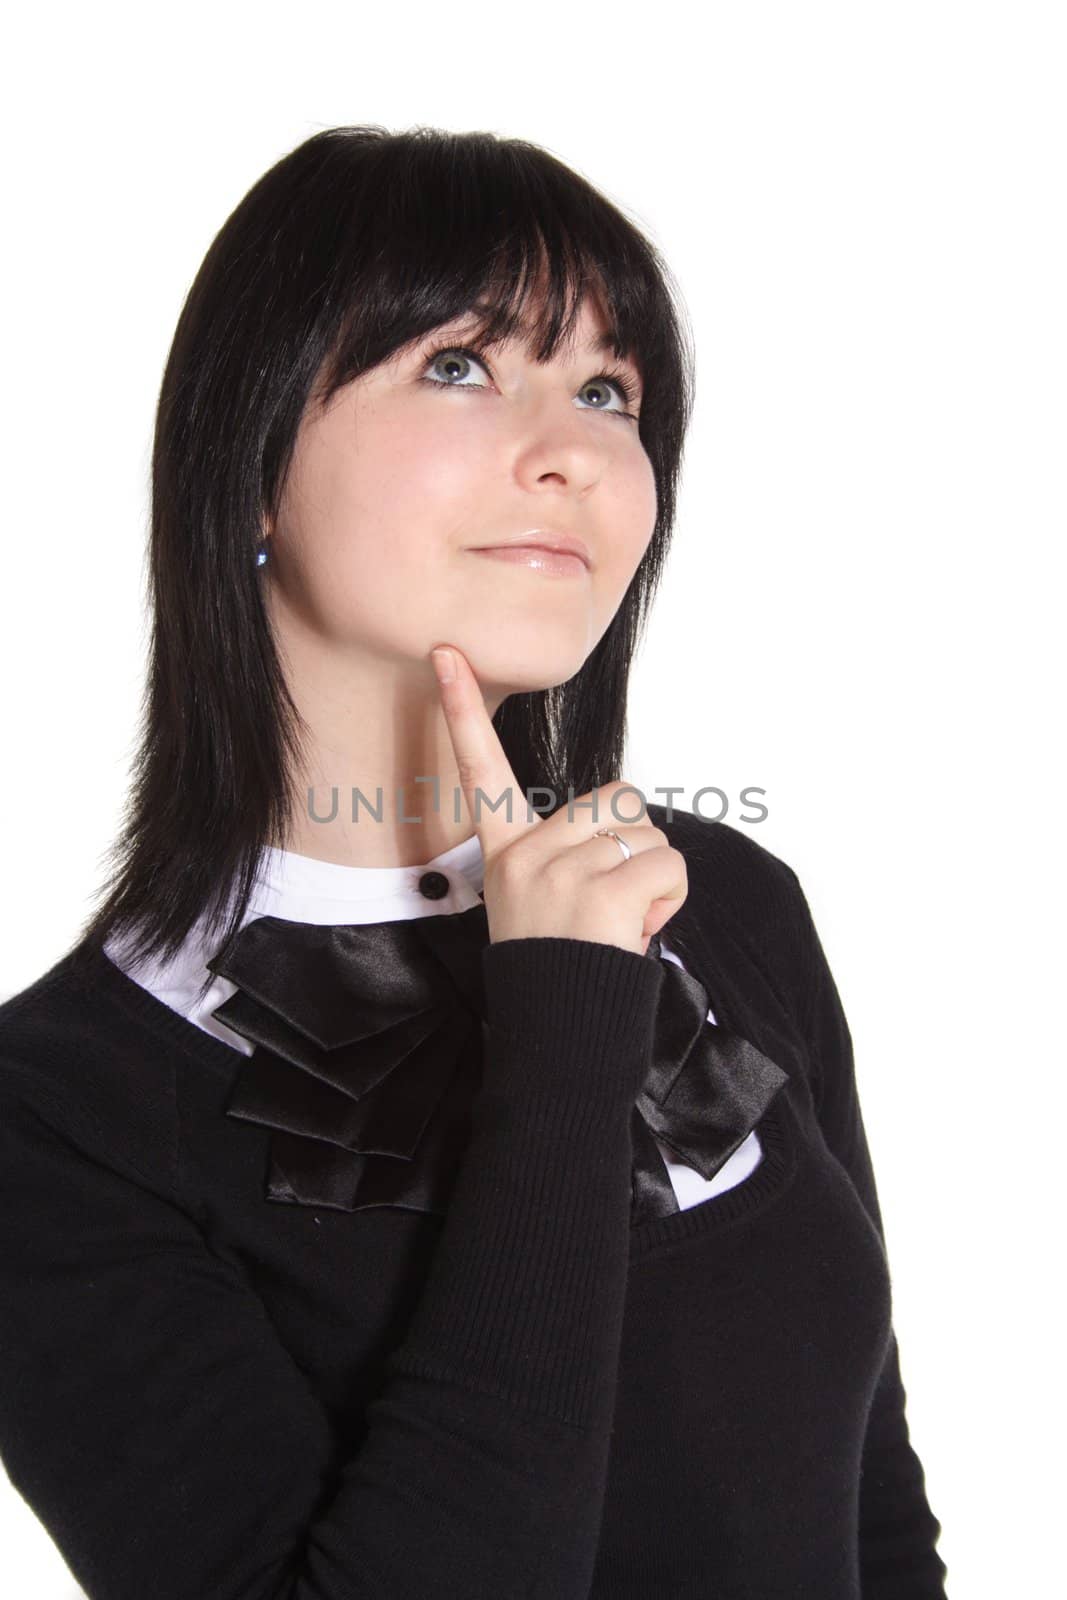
(384, 1023)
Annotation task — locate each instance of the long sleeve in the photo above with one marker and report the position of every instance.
(165, 1437)
(898, 1531)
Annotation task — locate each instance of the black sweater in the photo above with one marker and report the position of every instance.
(210, 1397)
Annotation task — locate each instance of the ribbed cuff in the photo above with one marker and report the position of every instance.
(575, 1004)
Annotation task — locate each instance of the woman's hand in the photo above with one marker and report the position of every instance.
(551, 877)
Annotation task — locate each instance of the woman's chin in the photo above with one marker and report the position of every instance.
(523, 665)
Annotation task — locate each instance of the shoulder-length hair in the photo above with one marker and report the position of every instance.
(354, 244)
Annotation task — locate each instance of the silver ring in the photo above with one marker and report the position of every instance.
(609, 833)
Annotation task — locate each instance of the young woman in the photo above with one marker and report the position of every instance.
(475, 1205)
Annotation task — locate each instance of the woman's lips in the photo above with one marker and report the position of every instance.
(554, 563)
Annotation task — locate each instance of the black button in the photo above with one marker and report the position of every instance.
(434, 885)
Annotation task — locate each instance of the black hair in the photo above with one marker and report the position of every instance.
(356, 243)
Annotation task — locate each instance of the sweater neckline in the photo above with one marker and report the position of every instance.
(777, 1129)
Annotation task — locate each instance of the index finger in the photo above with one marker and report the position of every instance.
(480, 757)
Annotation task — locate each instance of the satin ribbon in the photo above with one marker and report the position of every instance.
(369, 1045)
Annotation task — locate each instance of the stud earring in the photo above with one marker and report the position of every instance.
(261, 553)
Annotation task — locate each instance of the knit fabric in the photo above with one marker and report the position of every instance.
(211, 1397)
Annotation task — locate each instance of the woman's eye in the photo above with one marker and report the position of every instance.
(454, 362)
(447, 359)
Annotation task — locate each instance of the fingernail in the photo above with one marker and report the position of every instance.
(444, 664)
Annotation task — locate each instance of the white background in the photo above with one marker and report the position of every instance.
(864, 207)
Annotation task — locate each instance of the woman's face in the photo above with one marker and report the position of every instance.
(428, 456)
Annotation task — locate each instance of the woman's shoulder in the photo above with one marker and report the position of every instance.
(729, 868)
(49, 1010)
(72, 1055)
